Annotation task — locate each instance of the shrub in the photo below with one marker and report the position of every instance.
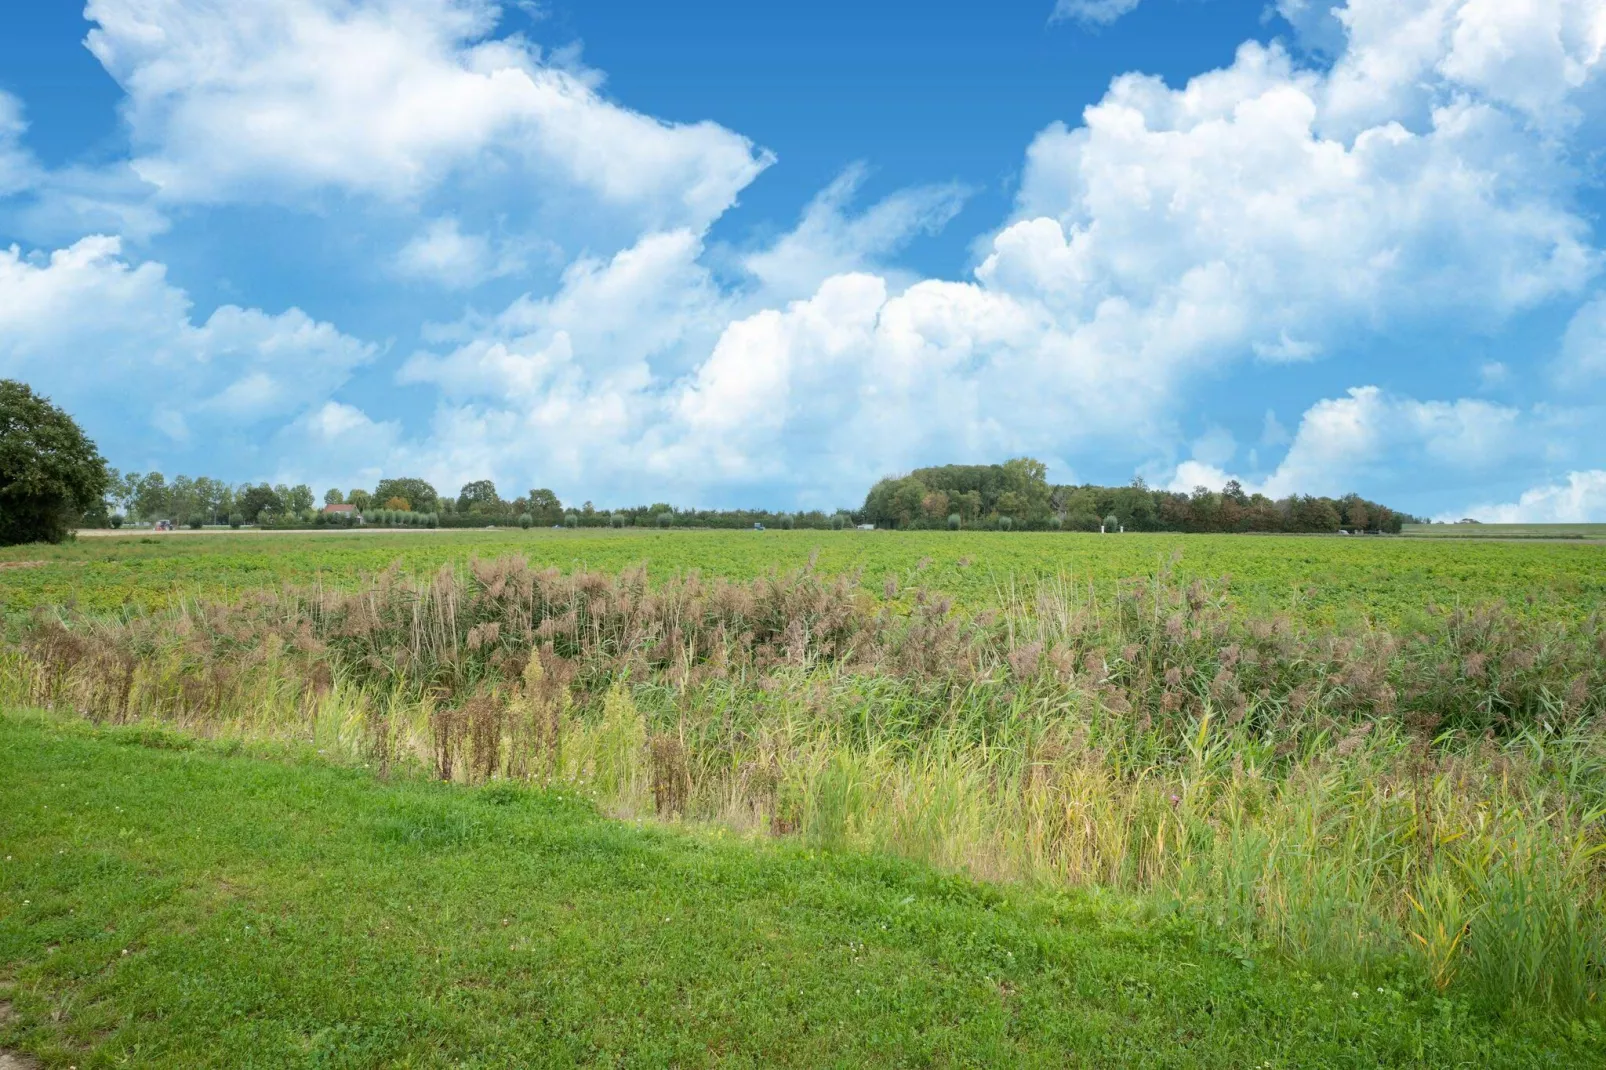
(235, 520)
(399, 505)
(117, 520)
(1055, 523)
(665, 519)
(1112, 523)
(1005, 523)
(837, 523)
(526, 521)
(788, 522)
(616, 520)
(197, 522)
(953, 521)
(570, 520)
(1083, 520)
(432, 520)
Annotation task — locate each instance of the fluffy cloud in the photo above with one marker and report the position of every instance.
(1405, 57)
(1343, 442)
(1580, 500)
(1312, 235)
(443, 254)
(1175, 234)
(116, 343)
(1263, 214)
(1373, 441)
(389, 98)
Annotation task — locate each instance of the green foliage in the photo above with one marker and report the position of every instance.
(360, 500)
(616, 520)
(117, 520)
(50, 473)
(1352, 798)
(1019, 489)
(416, 492)
(197, 522)
(526, 521)
(235, 520)
(1112, 523)
(954, 522)
(544, 506)
(1005, 523)
(260, 503)
(298, 500)
(665, 519)
(571, 520)
(715, 949)
(333, 496)
(480, 497)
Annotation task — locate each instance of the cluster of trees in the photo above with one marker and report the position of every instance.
(1017, 494)
(148, 497)
(52, 478)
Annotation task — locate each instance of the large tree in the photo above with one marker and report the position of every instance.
(479, 497)
(50, 473)
(419, 495)
(259, 503)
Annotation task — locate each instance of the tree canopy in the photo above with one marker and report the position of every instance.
(418, 494)
(51, 474)
(1017, 495)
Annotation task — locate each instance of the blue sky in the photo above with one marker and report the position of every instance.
(731, 253)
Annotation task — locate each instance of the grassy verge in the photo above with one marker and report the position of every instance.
(164, 904)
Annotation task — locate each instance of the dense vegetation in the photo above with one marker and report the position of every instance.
(164, 905)
(1418, 808)
(50, 474)
(1018, 495)
(1000, 497)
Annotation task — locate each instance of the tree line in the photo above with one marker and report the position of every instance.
(1017, 495)
(52, 478)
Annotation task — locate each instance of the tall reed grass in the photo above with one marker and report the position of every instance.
(1429, 805)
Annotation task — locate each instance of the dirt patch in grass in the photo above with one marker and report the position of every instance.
(6, 566)
(9, 1061)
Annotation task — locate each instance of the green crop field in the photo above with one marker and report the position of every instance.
(1324, 579)
(642, 797)
(1506, 531)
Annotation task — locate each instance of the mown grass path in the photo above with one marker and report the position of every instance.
(163, 904)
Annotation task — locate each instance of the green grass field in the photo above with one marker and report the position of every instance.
(165, 905)
(1348, 808)
(1506, 531)
(1323, 579)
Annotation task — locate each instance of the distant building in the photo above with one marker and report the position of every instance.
(342, 510)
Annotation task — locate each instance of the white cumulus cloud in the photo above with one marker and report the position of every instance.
(115, 342)
(276, 99)
(1579, 500)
